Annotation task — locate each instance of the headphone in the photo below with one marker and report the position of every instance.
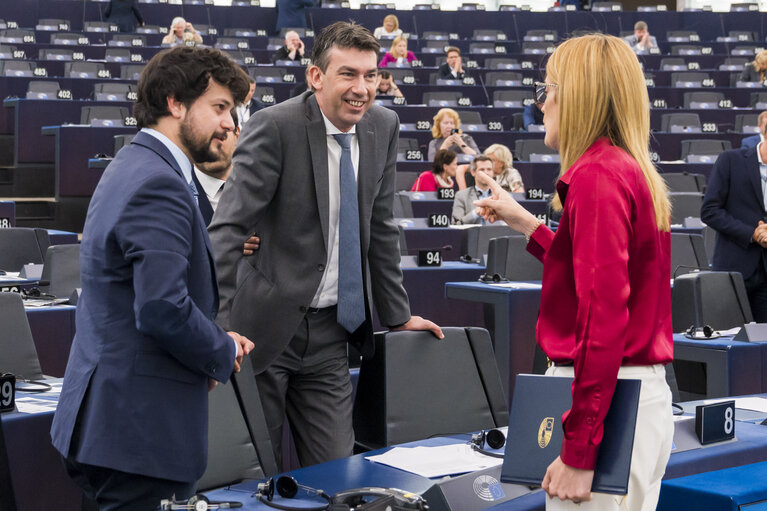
(287, 488)
(494, 438)
(701, 332)
(495, 277)
(197, 502)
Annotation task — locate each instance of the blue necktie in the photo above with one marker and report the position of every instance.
(351, 302)
(193, 188)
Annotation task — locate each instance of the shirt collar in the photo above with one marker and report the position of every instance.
(564, 182)
(183, 162)
(210, 184)
(330, 128)
(759, 154)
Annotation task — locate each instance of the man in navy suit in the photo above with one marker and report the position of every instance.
(734, 206)
(132, 419)
(753, 140)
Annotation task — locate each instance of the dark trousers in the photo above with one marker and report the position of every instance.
(756, 286)
(310, 383)
(114, 490)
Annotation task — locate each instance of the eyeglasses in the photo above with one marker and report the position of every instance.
(540, 91)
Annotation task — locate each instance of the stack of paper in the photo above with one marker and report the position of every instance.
(436, 461)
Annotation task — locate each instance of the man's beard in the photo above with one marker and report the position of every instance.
(199, 148)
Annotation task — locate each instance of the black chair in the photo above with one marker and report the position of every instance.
(685, 182)
(685, 205)
(747, 123)
(267, 74)
(17, 36)
(507, 257)
(482, 48)
(127, 40)
(123, 140)
(404, 181)
(714, 298)
(469, 117)
(232, 43)
(239, 32)
(703, 151)
(685, 79)
(733, 64)
(524, 148)
(673, 64)
(537, 48)
(61, 270)
(399, 75)
(682, 36)
(51, 24)
(18, 354)
(488, 34)
(758, 100)
(442, 98)
(6, 51)
(69, 39)
(503, 79)
(512, 98)
(688, 254)
(680, 123)
(22, 245)
(60, 54)
(694, 100)
(417, 386)
(131, 71)
(431, 35)
(686, 49)
(541, 35)
(84, 69)
(16, 68)
(407, 144)
(104, 115)
(239, 446)
(40, 89)
(500, 64)
(98, 26)
(478, 238)
(112, 91)
(606, 6)
(118, 55)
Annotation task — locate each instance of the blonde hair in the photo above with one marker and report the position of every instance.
(435, 129)
(393, 19)
(394, 44)
(602, 93)
(502, 153)
(760, 62)
(176, 21)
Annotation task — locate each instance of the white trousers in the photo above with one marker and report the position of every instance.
(653, 437)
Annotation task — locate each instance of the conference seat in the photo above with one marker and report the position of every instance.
(684, 182)
(704, 151)
(120, 55)
(478, 238)
(60, 54)
(539, 34)
(744, 51)
(758, 100)
(686, 49)
(52, 25)
(123, 140)
(267, 74)
(482, 48)
(239, 447)
(69, 39)
(680, 123)
(232, 43)
(17, 68)
(275, 43)
(205, 30)
(688, 254)
(18, 354)
(537, 48)
(112, 91)
(744, 7)
(150, 29)
(500, 64)
(684, 204)
(6, 51)
(488, 34)
(747, 123)
(696, 100)
(127, 40)
(22, 245)
(406, 144)
(533, 149)
(99, 26)
(673, 64)
(417, 386)
(42, 89)
(432, 35)
(503, 79)
(508, 258)
(434, 46)
(682, 36)
(470, 6)
(104, 115)
(441, 98)
(606, 6)
(242, 57)
(301, 31)
(470, 117)
(17, 36)
(84, 70)
(733, 64)
(512, 98)
(685, 80)
(404, 181)
(714, 298)
(239, 32)
(131, 71)
(61, 270)
(402, 75)
(741, 36)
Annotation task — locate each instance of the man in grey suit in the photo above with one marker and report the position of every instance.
(314, 177)
(464, 210)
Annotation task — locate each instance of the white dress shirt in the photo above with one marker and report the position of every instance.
(327, 292)
(212, 186)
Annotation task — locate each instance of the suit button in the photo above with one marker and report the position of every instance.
(302, 309)
(320, 267)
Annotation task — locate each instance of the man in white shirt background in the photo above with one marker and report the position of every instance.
(210, 176)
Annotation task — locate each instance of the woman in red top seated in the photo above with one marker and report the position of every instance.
(397, 53)
(605, 301)
(441, 174)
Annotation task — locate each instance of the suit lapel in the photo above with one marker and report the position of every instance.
(365, 176)
(318, 147)
(754, 176)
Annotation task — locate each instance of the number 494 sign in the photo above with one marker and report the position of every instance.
(7, 392)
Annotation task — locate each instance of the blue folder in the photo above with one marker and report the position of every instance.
(535, 432)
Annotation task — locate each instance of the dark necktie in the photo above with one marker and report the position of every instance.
(351, 302)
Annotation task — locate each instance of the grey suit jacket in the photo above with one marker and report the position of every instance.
(463, 206)
(279, 189)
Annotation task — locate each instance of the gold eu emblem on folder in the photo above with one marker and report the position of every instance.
(545, 431)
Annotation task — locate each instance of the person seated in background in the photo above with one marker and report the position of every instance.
(503, 168)
(532, 115)
(453, 68)
(641, 42)
(464, 210)
(397, 53)
(180, 32)
(390, 28)
(210, 176)
(755, 71)
(250, 105)
(441, 175)
(294, 48)
(447, 135)
(754, 140)
(385, 85)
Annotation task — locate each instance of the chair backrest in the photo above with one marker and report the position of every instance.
(478, 238)
(18, 354)
(680, 122)
(238, 439)
(403, 203)
(747, 123)
(524, 147)
(714, 298)
(62, 54)
(49, 88)
(688, 253)
(702, 99)
(758, 98)
(685, 204)
(22, 245)
(61, 270)
(123, 140)
(680, 36)
(441, 98)
(83, 69)
(688, 78)
(417, 386)
(673, 64)
(131, 71)
(112, 91)
(502, 63)
(103, 115)
(503, 78)
(511, 98)
(16, 68)
(508, 257)
(684, 182)
(470, 117)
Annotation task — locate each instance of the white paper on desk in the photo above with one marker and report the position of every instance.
(33, 405)
(517, 285)
(757, 404)
(436, 461)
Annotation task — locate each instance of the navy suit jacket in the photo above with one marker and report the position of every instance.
(122, 12)
(136, 384)
(751, 141)
(733, 206)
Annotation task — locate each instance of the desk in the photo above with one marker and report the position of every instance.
(511, 316)
(53, 329)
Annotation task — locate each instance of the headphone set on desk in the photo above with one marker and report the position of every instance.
(494, 438)
(701, 333)
(359, 499)
(197, 502)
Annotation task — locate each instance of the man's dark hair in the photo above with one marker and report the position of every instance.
(342, 34)
(478, 158)
(442, 158)
(184, 73)
(385, 74)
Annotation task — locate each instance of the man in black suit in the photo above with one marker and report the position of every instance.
(122, 12)
(734, 206)
(294, 48)
(453, 68)
(753, 140)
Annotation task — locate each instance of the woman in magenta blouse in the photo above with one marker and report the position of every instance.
(397, 53)
(441, 175)
(605, 302)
